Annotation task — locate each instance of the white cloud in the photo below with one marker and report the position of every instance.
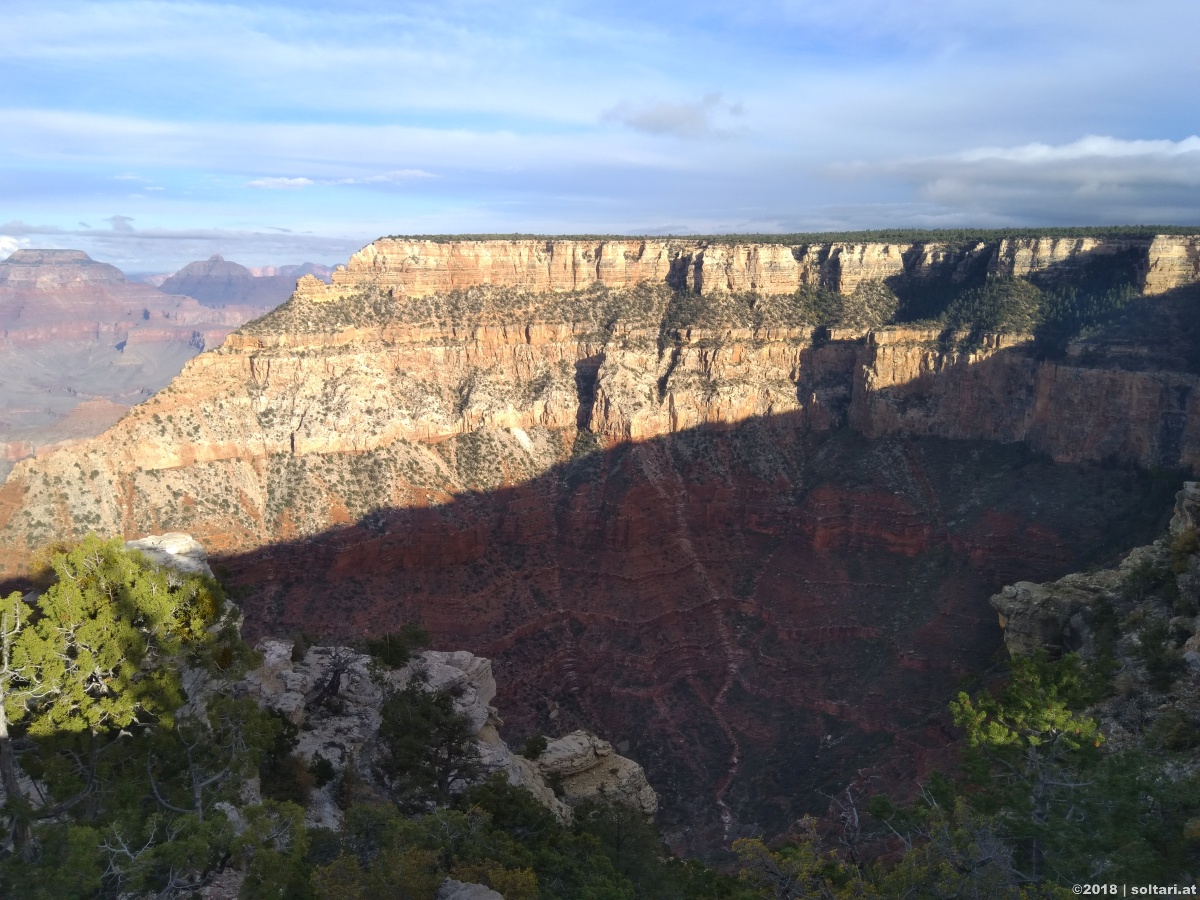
(280, 184)
(9, 244)
(1091, 147)
(291, 184)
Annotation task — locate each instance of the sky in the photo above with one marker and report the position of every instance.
(151, 134)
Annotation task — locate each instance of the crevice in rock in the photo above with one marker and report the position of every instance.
(587, 370)
(676, 350)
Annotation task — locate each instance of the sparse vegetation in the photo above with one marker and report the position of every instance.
(395, 648)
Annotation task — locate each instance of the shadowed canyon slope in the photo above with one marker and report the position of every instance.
(749, 529)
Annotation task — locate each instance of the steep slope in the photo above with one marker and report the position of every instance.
(79, 344)
(748, 529)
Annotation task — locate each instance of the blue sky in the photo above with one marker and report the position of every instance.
(154, 133)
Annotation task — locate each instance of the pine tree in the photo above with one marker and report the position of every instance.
(91, 654)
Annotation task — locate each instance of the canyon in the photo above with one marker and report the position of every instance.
(80, 342)
(739, 506)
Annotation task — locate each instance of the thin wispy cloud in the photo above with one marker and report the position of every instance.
(279, 183)
(1092, 147)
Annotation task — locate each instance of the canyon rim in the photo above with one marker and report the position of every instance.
(737, 505)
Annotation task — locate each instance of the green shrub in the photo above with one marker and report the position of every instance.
(1163, 662)
(321, 770)
(395, 648)
(1183, 546)
(534, 746)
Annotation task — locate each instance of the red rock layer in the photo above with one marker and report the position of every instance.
(760, 612)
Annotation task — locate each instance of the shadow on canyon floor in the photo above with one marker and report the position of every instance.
(760, 614)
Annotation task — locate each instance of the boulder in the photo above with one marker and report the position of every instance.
(179, 551)
(458, 890)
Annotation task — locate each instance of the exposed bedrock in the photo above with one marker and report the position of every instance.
(757, 555)
(804, 604)
(418, 267)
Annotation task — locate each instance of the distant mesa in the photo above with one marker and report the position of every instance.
(318, 271)
(54, 269)
(218, 282)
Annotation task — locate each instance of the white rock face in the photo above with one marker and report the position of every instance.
(179, 551)
(340, 722)
(458, 890)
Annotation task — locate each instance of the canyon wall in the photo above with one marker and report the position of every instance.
(79, 344)
(416, 267)
(754, 547)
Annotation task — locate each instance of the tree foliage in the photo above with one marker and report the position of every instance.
(92, 652)
(425, 747)
(395, 648)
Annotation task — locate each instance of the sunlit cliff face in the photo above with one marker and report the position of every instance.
(748, 534)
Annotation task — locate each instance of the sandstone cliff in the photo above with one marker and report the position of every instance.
(416, 267)
(729, 528)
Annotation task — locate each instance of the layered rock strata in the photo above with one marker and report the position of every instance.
(79, 344)
(258, 441)
(727, 536)
(416, 267)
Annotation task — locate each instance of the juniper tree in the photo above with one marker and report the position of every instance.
(91, 655)
(425, 747)
(1028, 748)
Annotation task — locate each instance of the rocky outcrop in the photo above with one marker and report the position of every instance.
(458, 890)
(414, 267)
(1138, 624)
(1060, 617)
(1051, 617)
(335, 694)
(588, 769)
(179, 551)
